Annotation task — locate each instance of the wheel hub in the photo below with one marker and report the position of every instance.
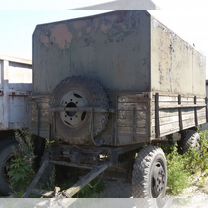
(158, 180)
(73, 99)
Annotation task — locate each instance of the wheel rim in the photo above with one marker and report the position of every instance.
(73, 99)
(158, 179)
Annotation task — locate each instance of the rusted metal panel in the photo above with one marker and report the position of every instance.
(176, 67)
(113, 48)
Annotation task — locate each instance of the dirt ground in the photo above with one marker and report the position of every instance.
(118, 188)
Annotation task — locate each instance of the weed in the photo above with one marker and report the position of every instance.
(182, 169)
(178, 176)
(92, 189)
(20, 171)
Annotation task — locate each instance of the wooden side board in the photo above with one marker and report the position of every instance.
(133, 119)
(172, 113)
(138, 117)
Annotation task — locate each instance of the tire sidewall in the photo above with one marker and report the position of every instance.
(143, 169)
(82, 133)
(159, 157)
(191, 140)
(11, 150)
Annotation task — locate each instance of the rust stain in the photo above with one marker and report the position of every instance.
(79, 24)
(44, 39)
(89, 29)
(61, 36)
(104, 28)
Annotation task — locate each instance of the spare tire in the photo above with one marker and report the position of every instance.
(76, 91)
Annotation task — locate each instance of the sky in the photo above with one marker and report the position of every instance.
(18, 18)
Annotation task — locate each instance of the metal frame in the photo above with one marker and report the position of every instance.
(96, 167)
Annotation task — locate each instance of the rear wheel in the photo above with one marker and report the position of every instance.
(149, 177)
(8, 151)
(190, 140)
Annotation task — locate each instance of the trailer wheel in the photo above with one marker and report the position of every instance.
(75, 92)
(149, 177)
(7, 152)
(191, 140)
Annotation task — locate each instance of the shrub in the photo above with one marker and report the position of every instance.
(182, 169)
(21, 167)
(20, 173)
(178, 176)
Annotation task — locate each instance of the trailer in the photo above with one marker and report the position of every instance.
(15, 111)
(111, 89)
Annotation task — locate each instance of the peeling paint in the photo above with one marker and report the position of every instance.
(104, 28)
(89, 29)
(79, 24)
(61, 36)
(44, 39)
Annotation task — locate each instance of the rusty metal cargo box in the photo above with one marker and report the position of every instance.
(134, 57)
(112, 47)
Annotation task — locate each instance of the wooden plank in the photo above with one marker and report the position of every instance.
(195, 112)
(170, 119)
(201, 110)
(166, 113)
(174, 112)
(184, 100)
(206, 101)
(169, 127)
(164, 106)
(176, 121)
(128, 115)
(135, 123)
(180, 113)
(169, 132)
(132, 99)
(166, 120)
(168, 106)
(202, 121)
(129, 130)
(130, 106)
(125, 138)
(129, 122)
(157, 116)
(174, 98)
